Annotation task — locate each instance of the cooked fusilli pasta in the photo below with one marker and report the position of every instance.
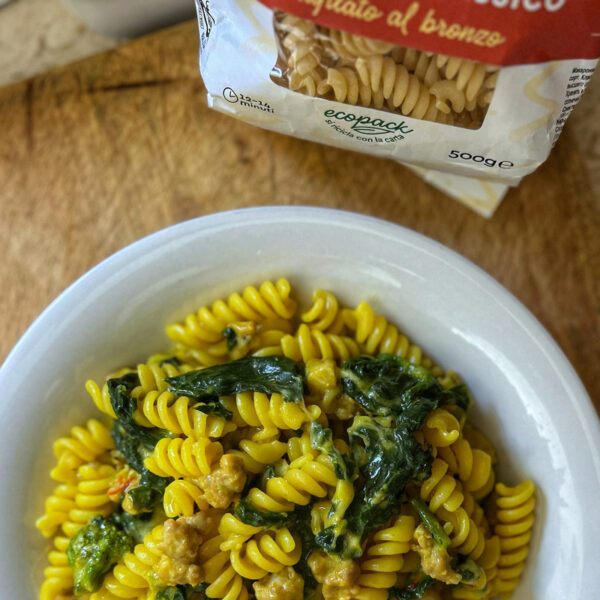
(85, 444)
(384, 555)
(376, 335)
(308, 344)
(267, 552)
(184, 457)
(271, 414)
(515, 520)
(324, 314)
(317, 451)
(270, 303)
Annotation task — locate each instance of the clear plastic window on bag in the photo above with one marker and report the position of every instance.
(349, 68)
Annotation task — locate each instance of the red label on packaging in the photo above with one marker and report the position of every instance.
(498, 32)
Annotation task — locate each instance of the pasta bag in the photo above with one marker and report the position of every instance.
(471, 94)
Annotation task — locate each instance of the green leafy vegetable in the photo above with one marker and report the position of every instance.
(149, 492)
(173, 360)
(135, 443)
(414, 589)
(184, 592)
(171, 593)
(246, 512)
(301, 527)
(231, 337)
(321, 438)
(399, 395)
(388, 384)
(138, 526)
(214, 407)
(470, 571)
(93, 550)
(389, 457)
(440, 537)
(267, 374)
(267, 474)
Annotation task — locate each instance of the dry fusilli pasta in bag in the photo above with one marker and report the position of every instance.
(475, 88)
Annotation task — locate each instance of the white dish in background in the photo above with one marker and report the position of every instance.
(528, 398)
(130, 18)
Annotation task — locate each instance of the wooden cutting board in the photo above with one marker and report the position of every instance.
(98, 154)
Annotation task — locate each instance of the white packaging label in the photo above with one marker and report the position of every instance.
(527, 110)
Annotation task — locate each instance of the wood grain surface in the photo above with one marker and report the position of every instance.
(98, 154)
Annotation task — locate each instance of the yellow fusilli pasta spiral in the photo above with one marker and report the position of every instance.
(224, 582)
(318, 516)
(58, 576)
(178, 415)
(466, 537)
(324, 313)
(441, 428)
(184, 457)
(515, 518)
(303, 479)
(257, 454)
(92, 498)
(466, 525)
(266, 552)
(270, 413)
(151, 377)
(57, 508)
(204, 328)
(84, 444)
(101, 397)
(308, 344)
(183, 498)
(441, 489)
(473, 466)
(376, 335)
(488, 562)
(478, 440)
(234, 533)
(384, 554)
(131, 577)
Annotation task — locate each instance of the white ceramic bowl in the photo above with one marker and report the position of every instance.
(529, 399)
